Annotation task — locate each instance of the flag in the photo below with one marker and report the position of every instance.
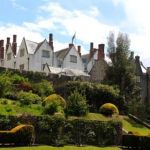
(73, 37)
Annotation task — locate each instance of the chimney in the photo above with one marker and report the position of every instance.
(79, 50)
(7, 43)
(14, 44)
(132, 55)
(1, 49)
(101, 54)
(91, 49)
(51, 41)
(70, 45)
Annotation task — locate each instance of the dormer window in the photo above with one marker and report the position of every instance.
(73, 58)
(22, 52)
(45, 54)
(9, 56)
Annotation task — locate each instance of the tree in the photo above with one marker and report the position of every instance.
(121, 71)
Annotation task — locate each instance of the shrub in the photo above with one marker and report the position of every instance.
(20, 135)
(51, 108)
(76, 104)
(43, 88)
(109, 109)
(96, 94)
(16, 79)
(54, 98)
(27, 98)
(24, 86)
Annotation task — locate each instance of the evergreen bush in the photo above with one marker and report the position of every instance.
(109, 109)
(76, 104)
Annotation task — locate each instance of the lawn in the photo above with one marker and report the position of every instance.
(9, 107)
(60, 148)
(131, 125)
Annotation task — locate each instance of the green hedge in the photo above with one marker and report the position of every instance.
(20, 135)
(96, 94)
(56, 130)
(136, 141)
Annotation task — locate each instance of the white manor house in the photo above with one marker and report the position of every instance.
(41, 57)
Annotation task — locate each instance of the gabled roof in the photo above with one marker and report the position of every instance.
(61, 54)
(87, 56)
(31, 46)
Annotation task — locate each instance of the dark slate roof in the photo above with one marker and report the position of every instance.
(61, 54)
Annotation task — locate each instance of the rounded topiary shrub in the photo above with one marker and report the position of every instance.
(109, 109)
(55, 98)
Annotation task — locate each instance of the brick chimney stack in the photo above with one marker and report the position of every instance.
(70, 45)
(91, 49)
(79, 50)
(51, 41)
(14, 44)
(101, 54)
(1, 49)
(7, 43)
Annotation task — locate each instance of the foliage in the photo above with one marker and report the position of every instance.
(5, 84)
(27, 98)
(43, 88)
(136, 141)
(51, 108)
(137, 108)
(56, 130)
(55, 98)
(121, 72)
(96, 94)
(20, 135)
(76, 104)
(109, 109)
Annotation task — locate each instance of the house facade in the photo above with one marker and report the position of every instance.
(69, 57)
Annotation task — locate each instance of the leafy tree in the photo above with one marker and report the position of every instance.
(121, 71)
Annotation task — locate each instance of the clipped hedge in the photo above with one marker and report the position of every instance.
(20, 135)
(109, 109)
(56, 130)
(135, 141)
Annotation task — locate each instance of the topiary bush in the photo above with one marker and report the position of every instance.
(109, 109)
(20, 135)
(53, 104)
(55, 98)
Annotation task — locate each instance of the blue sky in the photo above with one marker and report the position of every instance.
(90, 19)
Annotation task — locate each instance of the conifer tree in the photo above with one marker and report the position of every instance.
(121, 71)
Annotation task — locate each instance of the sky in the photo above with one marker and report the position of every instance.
(91, 20)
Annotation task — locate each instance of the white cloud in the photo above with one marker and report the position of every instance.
(16, 5)
(138, 23)
(85, 24)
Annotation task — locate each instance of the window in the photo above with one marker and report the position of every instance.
(45, 54)
(60, 63)
(22, 67)
(73, 58)
(9, 56)
(22, 52)
(138, 79)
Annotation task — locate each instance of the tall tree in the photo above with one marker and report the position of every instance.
(121, 72)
